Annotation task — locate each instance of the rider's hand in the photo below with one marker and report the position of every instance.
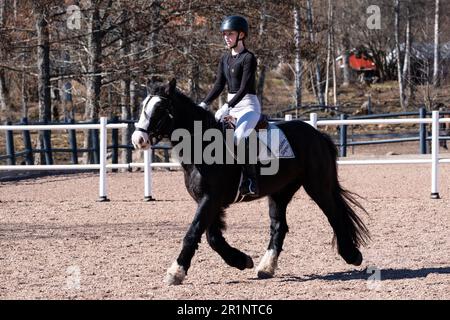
(222, 112)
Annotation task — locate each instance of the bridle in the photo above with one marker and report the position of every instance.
(163, 126)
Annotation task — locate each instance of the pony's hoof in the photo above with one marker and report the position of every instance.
(264, 274)
(249, 263)
(175, 275)
(267, 266)
(358, 260)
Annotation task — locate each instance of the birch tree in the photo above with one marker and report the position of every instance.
(397, 46)
(262, 67)
(407, 62)
(436, 69)
(298, 58)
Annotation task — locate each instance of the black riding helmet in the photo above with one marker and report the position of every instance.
(235, 23)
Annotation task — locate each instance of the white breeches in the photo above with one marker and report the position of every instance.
(247, 112)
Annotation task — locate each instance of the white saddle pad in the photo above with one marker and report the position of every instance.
(276, 144)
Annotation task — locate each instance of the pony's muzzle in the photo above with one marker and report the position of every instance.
(140, 140)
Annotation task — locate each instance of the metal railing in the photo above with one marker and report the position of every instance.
(434, 159)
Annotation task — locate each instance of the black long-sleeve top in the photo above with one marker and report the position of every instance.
(239, 73)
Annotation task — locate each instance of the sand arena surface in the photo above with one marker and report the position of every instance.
(56, 242)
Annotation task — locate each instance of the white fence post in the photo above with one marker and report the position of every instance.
(313, 119)
(435, 156)
(287, 117)
(103, 150)
(148, 175)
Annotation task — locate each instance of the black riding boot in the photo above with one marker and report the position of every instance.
(249, 185)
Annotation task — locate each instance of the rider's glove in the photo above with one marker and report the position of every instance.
(203, 105)
(223, 112)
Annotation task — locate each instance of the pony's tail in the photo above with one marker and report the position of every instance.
(345, 201)
(355, 227)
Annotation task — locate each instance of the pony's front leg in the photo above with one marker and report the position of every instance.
(232, 256)
(206, 212)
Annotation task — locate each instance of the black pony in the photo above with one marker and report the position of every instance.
(214, 186)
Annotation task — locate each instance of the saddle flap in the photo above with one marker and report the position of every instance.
(263, 123)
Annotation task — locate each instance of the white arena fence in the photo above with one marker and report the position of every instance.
(434, 159)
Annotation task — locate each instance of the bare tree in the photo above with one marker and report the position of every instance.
(318, 84)
(125, 87)
(399, 61)
(298, 58)
(4, 99)
(262, 67)
(333, 54)
(409, 90)
(43, 66)
(346, 59)
(94, 48)
(330, 55)
(436, 69)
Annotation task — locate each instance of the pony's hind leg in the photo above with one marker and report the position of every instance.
(278, 228)
(232, 256)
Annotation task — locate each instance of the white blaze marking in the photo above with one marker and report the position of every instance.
(148, 104)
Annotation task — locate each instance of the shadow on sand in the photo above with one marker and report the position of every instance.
(386, 274)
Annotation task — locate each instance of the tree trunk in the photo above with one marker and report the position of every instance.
(43, 61)
(23, 89)
(94, 77)
(298, 58)
(399, 61)
(125, 94)
(436, 69)
(15, 11)
(134, 99)
(319, 91)
(155, 8)
(4, 95)
(194, 69)
(329, 53)
(311, 78)
(134, 85)
(260, 85)
(262, 69)
(43, 65)
(346, 60)
(333, 55)
(407, 62)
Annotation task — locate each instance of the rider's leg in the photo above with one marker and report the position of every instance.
(244, 127)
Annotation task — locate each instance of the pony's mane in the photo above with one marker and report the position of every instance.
(185, 102)
(198, 112)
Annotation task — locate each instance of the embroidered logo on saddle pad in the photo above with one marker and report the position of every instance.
(276, 144)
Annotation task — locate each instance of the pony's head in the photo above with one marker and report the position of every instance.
(164, 110)
(156, 120)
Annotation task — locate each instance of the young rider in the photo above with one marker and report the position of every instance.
(237, 69)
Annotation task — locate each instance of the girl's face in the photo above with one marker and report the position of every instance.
(230, 37)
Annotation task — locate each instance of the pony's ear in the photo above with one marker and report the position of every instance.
(172, 86)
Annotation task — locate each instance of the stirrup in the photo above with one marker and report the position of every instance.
(248, 188)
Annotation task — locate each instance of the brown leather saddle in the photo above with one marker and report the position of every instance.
(230, 122)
